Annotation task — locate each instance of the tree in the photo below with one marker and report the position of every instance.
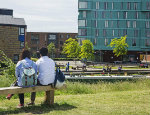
(71, 48)
(119, 46)
(87, 49)
(51, 49)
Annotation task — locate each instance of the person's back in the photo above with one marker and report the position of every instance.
(46, 69)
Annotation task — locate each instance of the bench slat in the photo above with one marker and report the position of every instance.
(16, 90)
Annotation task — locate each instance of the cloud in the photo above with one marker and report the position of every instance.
(61, 14)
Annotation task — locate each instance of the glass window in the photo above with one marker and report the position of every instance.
(128, 5)
(95, 41)
(34, 37)
(21, 31)
(136, 15)
(110, 14)
(82, 32)
(61, 36)
(68, 36)
(112, 5)
(147, 33)
(16, 58)
(124, 32)
(113, 32)
(82, 4)
(82, 22)
(148, 5)
(112, 23)
(104, 33)
(134, 24)
(103, 14)
(97, 32)
(95, 23)
(125, 15)
(119, 33)
(105, 5)
(118, 15)
(128, 24)
(61, 42)
(135, 6)
(121, 5)
(147, 42)
(97, 5)
(106, 41)
(21, 44)
(118, 24)
(133, 42)
(95, 14)
(84, 14)
(106, 24)
(135, 33)
(147, 24)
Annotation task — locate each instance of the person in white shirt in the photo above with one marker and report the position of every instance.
(46, 70)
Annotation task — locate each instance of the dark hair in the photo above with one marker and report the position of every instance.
(25, 54)
(44, 51)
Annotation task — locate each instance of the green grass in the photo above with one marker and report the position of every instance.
(89, 98)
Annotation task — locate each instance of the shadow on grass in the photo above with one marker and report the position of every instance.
(39, 109)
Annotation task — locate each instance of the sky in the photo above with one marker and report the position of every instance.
(45, 15)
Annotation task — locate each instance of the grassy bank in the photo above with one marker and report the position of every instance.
(90, 98)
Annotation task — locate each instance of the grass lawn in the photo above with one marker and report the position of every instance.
(117, 99)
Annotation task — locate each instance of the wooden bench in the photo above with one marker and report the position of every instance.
(49, 96)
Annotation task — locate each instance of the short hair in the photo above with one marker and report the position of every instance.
(44, 51)
(25, 54)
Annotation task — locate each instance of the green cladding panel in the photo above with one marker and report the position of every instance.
(103, 20)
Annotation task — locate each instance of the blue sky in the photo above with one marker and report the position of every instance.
(45, 15)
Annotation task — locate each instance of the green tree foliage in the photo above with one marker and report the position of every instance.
(9, 70)
(71, 48)
(51, 49)
(119, 46)
(87, 49)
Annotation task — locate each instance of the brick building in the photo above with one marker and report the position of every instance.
(12, 34)
(36, 40)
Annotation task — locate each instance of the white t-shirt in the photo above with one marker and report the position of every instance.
(46, 69)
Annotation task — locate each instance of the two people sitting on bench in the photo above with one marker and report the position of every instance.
(45, 68)
(108, 69)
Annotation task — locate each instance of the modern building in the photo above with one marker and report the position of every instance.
(12, 34)
(103, 20)
(36, 40)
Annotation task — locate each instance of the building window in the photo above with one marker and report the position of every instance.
(84, 14)
(119, 33)
(128, 24)
(106, 24)
(147, 24)
(97, 32)
(133, 42)
(113, 32)
(82, 32)
(104, 33)
(147, 42)
(112, 23)
(83, 5)
(110, 14)
(134, 24)
(112, 5)
(135, 33)
(128, 5)
(118, 15)
(95, 14)
(21, 31)
(61, 42)
(135, 6)
(21, 44)
(147, 33)
(61, 36)
(103, 14)
(82, 23)
(68, 36)
(97, 5)
(125, 15)
(106, 42)
(95, 41)
(34, 39)
(148, 5)
(105, 5)
(95, 23)
(136, 15)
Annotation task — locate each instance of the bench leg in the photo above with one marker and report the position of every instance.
(49, 97)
